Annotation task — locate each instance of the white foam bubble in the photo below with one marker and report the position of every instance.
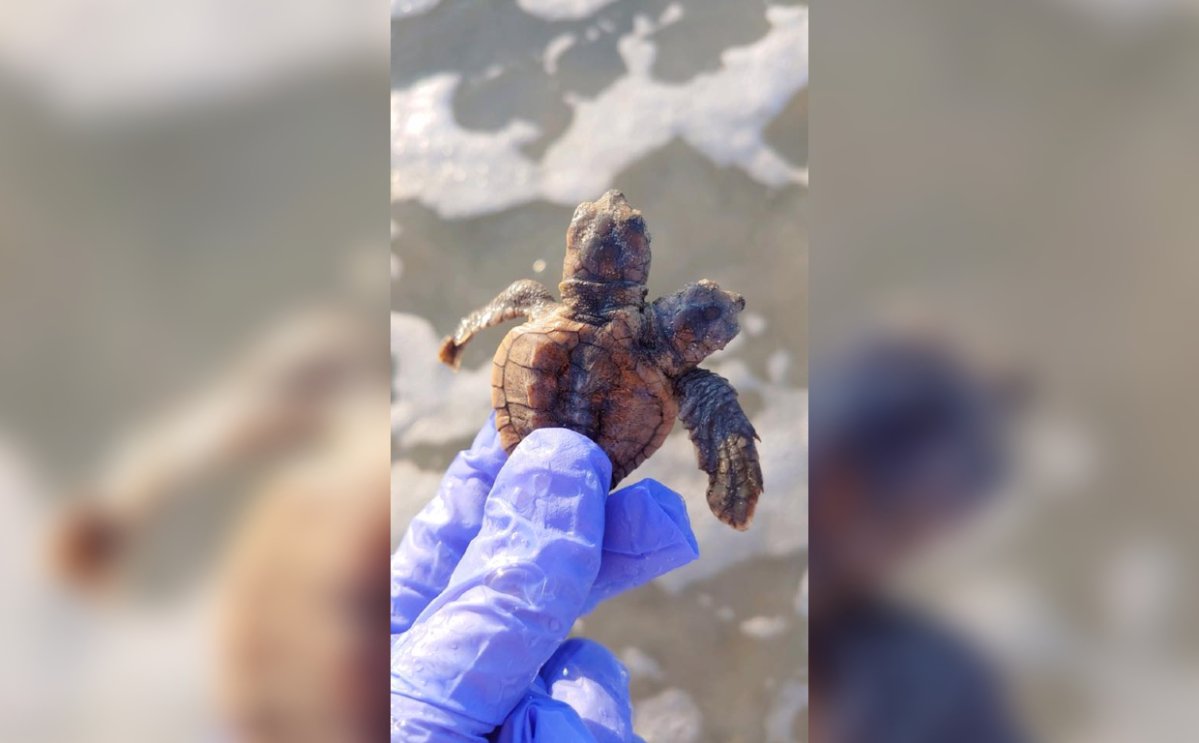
(562, 10)
(721, 114)
(407, 8)
(777, 366)
(763, 628)
(669, 717)
(554, 50)
(640, 664)
(448, 168)
(801, 597)
(753, 323)
(672, 14)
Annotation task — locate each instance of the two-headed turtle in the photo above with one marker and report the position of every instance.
(607, 364)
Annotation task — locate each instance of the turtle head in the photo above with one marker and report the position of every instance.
(607, 243)
(696, 321)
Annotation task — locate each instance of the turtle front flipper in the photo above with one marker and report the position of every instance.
(724, 445)
(525, 298)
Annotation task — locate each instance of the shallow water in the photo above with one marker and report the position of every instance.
(504, 116)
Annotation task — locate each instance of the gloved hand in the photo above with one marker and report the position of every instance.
(492, 574)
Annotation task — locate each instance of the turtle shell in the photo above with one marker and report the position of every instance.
(593, 378)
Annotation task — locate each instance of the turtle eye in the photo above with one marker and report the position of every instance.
(711, 312)
(693, 319)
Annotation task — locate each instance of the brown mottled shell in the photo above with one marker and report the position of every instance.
(591, 378)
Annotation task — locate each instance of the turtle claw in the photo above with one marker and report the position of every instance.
(450, 353)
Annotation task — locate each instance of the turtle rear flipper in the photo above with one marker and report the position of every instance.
(525, 298)
(724, 445)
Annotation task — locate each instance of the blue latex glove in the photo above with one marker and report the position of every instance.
(492, 574)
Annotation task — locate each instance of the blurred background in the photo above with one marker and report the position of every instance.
(505, 115)
(193, 270)
(193, 375)
(1025, 173)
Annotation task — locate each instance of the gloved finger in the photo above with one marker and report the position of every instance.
(439, 534)
(586, 676)
(646, 534)
(470, 656)
(538, 718)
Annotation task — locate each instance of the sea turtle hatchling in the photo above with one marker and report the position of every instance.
(604, 362)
